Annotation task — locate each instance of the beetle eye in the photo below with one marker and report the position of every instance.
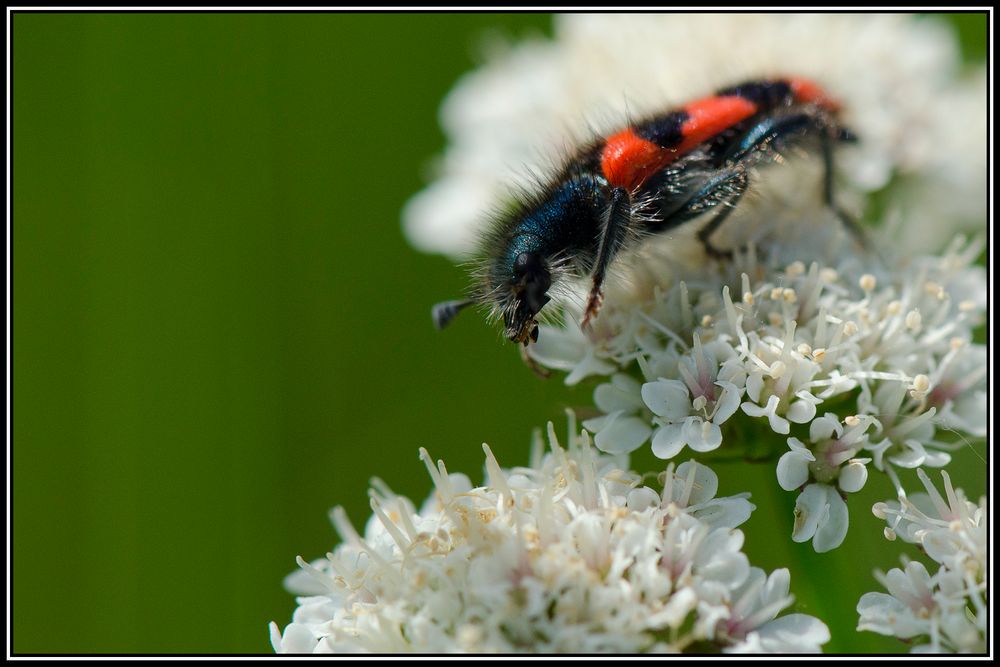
(527, 263)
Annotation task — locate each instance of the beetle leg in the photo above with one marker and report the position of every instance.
(613, 232)
(733, 188)
(826, 145)
(532, 364)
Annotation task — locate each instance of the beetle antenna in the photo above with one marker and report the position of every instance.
(444, 312)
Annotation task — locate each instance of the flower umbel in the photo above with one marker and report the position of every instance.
(847, 360)
(570, 554)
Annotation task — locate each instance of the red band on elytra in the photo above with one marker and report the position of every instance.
(628, 160)
(710, 116)
(808, 92)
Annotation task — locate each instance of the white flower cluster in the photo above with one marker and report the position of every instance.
(572, 554)
(945, 612)
(871, 365)
(898, 77)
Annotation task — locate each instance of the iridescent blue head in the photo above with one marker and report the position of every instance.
(526, 253)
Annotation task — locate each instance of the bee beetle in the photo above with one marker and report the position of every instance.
(647, 179)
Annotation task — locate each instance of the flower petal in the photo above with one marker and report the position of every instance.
(702, 436)
(668, 399)
(804, 409)
(831, 531)
(810, 509)
(727, 512)
(668, 441)
(793, 633)
(622, 434)
(727, 403)
(793, 471)
(622, 393)
(853, 477)
(706, 482)
(778, 424)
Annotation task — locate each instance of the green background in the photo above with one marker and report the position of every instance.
(219, 331)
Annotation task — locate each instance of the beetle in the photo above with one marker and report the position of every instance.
(648, 178)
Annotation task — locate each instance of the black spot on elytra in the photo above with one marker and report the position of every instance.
(766, 95)
(664, 131)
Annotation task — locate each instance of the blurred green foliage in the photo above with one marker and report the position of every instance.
(219, 331)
